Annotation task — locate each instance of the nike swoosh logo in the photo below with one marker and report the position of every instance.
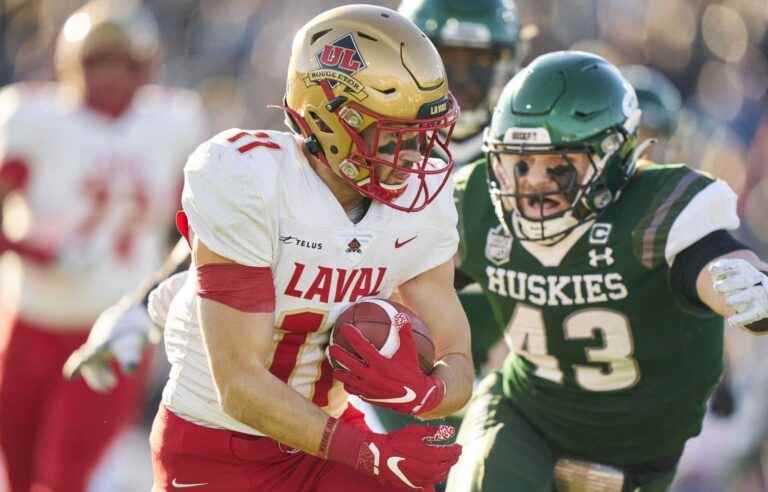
(418, 407)
(409, 396)
(180, 485)
(393, 463)
(398, 244)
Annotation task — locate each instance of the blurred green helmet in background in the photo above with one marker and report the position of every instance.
(481, 43)
(659, 99)
(567, 102)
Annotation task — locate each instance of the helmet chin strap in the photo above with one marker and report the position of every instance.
(642, 148)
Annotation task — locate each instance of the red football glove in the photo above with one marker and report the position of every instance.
(397, 383)
(407, 458)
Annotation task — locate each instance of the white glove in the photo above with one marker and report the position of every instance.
(745, 289)
(161, 296)
(121, 333)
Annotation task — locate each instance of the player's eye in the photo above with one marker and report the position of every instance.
(521, 168)
(411, 143)
(563, 174)
(387, 148)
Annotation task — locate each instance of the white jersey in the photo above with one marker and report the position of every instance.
(266, 207)
(101, 193)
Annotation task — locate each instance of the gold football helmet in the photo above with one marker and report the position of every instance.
(368, 91)
(105, 26)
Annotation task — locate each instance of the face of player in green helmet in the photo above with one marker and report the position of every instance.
(561, 145)
(481, 44)
(471, 72)
(540, 186)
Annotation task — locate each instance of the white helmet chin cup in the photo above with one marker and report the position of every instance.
(551, 230)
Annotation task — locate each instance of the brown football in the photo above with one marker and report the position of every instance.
(375, 318)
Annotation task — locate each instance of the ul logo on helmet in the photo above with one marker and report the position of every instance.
(342, 55)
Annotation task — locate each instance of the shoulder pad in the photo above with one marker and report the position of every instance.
(231, 195)
(235, 158)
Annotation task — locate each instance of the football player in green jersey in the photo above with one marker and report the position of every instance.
(612, 280)
(661, 104)
(658, 98)
(482, 44)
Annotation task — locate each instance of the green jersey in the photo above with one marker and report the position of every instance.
(608, 361)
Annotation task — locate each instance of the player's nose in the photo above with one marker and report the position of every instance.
(408, 159)
(536, 174)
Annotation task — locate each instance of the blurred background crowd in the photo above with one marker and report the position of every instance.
(234, 53)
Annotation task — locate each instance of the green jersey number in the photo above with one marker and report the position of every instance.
(617, 370)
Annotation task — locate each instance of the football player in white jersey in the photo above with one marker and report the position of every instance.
(90, 172)
(288, 229)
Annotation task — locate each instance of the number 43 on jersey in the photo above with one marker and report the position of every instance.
(612, 367)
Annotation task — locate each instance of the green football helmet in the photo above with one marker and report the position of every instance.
(658, 97)
(481, 43)
(562, 104)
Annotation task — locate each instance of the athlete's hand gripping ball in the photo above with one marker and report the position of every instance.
(397, 382)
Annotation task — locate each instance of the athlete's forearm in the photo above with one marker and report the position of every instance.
(262, 401)
(238, 345)
(433, 297)
(456, 371)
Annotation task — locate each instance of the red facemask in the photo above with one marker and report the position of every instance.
(408, 145)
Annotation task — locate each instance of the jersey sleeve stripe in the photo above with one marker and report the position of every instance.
(671, 199)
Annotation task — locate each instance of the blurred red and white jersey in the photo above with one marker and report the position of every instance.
(254, 198)
(100, 193)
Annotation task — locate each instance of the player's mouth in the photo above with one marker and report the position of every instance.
(396, 177)
(543, 206)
